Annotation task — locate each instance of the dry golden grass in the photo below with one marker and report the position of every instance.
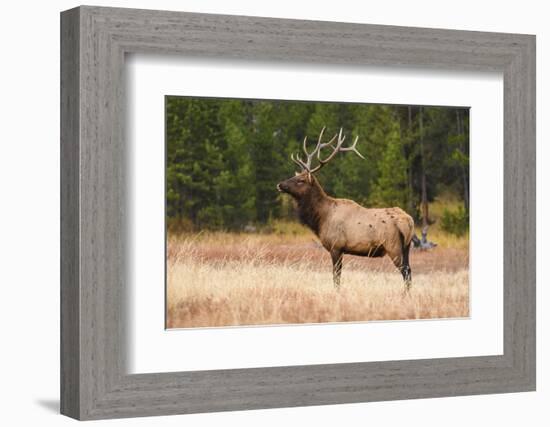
(223, 279)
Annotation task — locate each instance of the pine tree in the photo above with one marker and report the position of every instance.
(224, 157)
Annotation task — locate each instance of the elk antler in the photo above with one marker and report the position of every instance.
(317, 151)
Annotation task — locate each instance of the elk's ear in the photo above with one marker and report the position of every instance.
(296, 173)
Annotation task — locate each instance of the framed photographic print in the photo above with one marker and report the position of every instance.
(236, 254)
(261, 213)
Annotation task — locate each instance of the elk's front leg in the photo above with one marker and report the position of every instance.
(337, 257)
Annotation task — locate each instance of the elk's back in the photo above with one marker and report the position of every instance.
(363, 231)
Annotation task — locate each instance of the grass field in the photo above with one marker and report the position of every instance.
(228, 279)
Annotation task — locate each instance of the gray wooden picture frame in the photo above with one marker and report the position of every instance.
(94, 269)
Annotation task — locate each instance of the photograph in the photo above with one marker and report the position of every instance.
(305, 212)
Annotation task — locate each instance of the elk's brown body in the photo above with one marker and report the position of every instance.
(345, 227)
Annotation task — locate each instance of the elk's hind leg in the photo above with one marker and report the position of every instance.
(401, 261)
(406, 268)
(337, 259)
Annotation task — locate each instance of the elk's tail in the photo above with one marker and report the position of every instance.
(405, 225)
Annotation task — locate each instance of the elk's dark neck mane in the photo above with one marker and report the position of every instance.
(312, 207)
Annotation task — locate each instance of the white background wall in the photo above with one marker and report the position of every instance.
(29, 213)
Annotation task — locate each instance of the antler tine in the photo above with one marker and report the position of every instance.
(306, 166)
(317, 147)
(327, 144)
(338, 148)
(304, 145)
(294, 160)
(307, 163)
(309, 156)
(352, 148)
(318, 143)
(334, 150)
(299, 161)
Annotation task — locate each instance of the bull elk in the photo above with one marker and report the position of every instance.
(343, 226)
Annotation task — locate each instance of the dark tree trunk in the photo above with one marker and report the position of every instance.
(465, 177)
(424, 190)
(410, 191)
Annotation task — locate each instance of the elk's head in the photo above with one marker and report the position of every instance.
(304, 181)
(299, 185)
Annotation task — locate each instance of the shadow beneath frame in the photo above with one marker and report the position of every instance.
(51, 405)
